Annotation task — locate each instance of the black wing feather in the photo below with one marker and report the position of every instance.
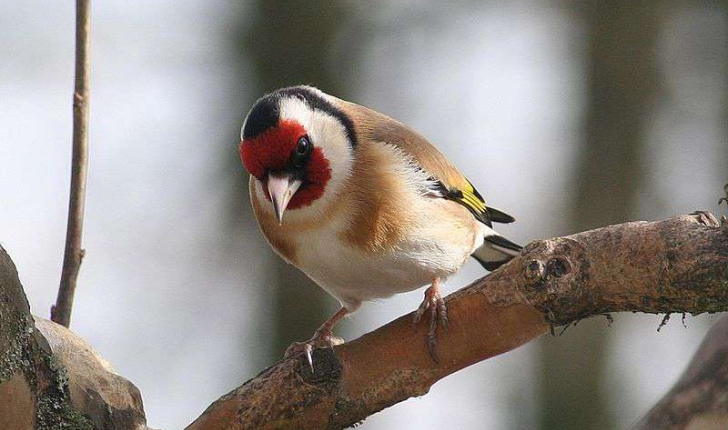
(475, 203)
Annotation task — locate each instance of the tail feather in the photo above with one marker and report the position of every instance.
(496, 251)
(499, 216)
(504, 245)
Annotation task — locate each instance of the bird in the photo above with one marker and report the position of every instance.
(362, 204)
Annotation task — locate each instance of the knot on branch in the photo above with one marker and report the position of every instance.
(78, 100)
(553, 272)
(326, 367)
(537, 273)
(554, 275)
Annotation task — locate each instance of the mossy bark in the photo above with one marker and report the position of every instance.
(50, 379)
(28, 367)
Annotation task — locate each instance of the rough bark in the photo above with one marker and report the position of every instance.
(50, 378)
(677, 265)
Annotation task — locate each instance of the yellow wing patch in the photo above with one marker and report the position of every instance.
(471, 199)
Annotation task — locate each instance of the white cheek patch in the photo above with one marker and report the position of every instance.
(327, 133)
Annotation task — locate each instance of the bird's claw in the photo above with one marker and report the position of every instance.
(438, 313)
(319, 340)
(437, 307)
(308, 350)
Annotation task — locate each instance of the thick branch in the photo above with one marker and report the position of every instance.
(50, 378)
(61, 312)
(677, 265)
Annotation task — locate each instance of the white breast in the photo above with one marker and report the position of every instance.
(436, 247)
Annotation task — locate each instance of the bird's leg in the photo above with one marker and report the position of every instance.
(324, 332)
(323, 337)
(438, 312)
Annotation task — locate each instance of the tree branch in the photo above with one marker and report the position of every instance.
(61, 312)
(698, 399)
(50, 378)
(677, 265)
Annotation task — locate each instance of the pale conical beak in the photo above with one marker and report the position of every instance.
(281, 187)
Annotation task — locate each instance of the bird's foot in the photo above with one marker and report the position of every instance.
(320, 339)
(438, 313)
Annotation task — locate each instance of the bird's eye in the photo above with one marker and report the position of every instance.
(303, 150)
(303, 146)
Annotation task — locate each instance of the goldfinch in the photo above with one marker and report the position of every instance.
(362, 204)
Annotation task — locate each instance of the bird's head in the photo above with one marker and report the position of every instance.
(298, 145)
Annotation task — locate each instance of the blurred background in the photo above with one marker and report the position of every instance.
(569, 115)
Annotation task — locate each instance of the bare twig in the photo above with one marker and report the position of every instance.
(672, 266)
(61, 312)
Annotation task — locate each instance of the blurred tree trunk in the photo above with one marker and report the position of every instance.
(621, 73)
(288, 43)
